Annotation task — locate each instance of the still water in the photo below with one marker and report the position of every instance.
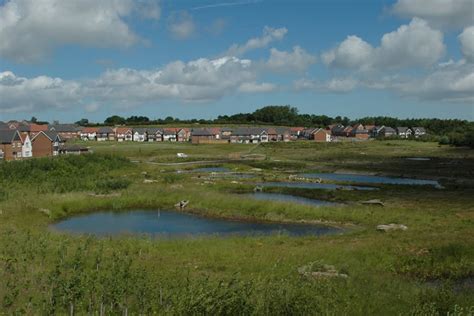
(176, 224)
(310, 185)
(360, 178)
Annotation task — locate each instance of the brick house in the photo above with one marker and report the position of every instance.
(322, 136)
(105, 133)
(46, 144)
(123, 134)
(89, 133)
(66, 131)
(10, 145)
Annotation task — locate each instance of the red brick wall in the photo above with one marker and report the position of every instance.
(42, 146)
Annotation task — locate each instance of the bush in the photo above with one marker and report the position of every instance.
(62, 174)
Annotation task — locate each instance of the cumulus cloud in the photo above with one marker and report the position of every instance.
(440, 13)
(412, 45)
(296, 61)
(467, 43)
(181, 25)
(353, 52)
(31, 29)
(452, 83)
(269, 35)
(23, 94)
(198, 80)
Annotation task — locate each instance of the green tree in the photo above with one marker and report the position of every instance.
(114, 120)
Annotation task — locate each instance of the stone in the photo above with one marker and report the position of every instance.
(391, 227)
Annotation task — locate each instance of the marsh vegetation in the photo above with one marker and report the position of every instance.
(422, 270)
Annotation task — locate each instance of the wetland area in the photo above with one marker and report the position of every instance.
(289, 231)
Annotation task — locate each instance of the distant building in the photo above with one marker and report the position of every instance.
(10, 145)
(322, 135)
(46, 144)
(404, 132)
(418, 131)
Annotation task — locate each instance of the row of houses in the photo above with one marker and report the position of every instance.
(204, 135)
(15, 145)
(363, 132)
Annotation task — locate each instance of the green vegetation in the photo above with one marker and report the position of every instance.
(425, 270)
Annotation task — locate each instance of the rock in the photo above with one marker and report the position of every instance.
(258, 188)
(182, 204)
(390, 227)
(373, 202)
(149, 181)
(45, 211)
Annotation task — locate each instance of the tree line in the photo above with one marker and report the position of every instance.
(450, 131)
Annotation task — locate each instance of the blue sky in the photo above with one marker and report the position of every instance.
(65, 60)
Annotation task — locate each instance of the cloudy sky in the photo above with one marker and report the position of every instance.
(69, 59)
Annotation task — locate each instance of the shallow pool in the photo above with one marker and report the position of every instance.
(310, 185)
(360, 178)
(176, 224)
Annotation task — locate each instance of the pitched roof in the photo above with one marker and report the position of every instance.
(52, 135)
(402, 129)
(9, 136)
(3, 125)
(90, 130)
(247, 131)
(122, 130)
(64, 128)
(388, 129)
(201, 132)
(105, 130)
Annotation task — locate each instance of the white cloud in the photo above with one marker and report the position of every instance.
(198, 80)
(254, 87)
(23, 94)
(353, 52)
(296, 61)
(412, 45)
(181, 25)
(31, 29)
(467, 43)
(452, 83)
(442, 13)
(415, 44)
(269, 35)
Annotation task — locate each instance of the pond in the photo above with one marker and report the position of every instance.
(176, 224)
(290, 198)
(311, 185)
(360, 178)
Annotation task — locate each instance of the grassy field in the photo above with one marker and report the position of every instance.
(425, 270)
